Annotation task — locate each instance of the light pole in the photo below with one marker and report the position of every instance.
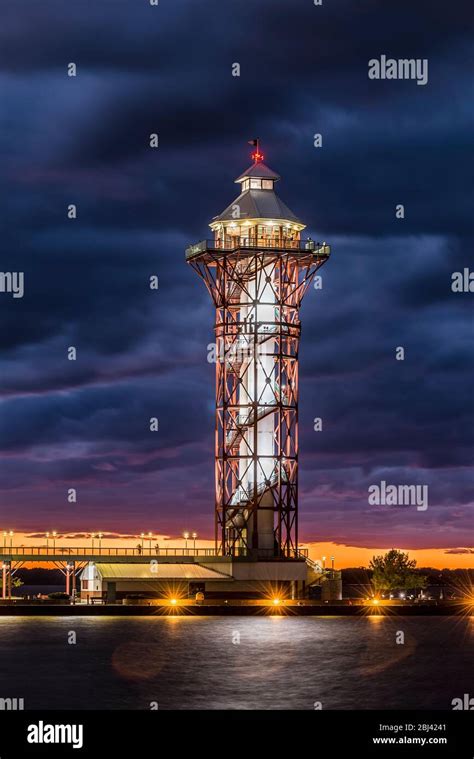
(194, 541)
(100, 536)
(4, 540)
(150, 536)
(324, 561)
(92, 538)
(11, 539)
(54, 541)
(47, 542)
(332, 563)
(186, 537)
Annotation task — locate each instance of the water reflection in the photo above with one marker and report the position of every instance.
(272, 662)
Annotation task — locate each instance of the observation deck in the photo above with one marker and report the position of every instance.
(300, 248)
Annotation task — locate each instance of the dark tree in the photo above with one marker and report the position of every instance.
(395, 571)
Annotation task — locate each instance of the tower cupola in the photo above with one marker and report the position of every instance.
(257, 215)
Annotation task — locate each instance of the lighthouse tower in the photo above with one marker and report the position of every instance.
(257, 270)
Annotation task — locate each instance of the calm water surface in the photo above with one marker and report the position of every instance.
(198, 663)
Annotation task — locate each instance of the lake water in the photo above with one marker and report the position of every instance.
(236, 663)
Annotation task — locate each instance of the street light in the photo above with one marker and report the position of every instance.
(324, 561)
(100, 536)
(54, 541)
(4, 540)
(11, 538)
(186, 536)
(194, 539)
(92, 538)
(332, 563)
(47, 541)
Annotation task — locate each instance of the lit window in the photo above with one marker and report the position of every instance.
(267, 184)
(245, 185)
(255, 184)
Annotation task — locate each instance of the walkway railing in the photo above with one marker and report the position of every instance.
(102, 551)
(66, 552)
(317, 566)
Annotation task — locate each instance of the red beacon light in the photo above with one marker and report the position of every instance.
(257, 156)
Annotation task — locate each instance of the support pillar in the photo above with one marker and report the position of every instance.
(4, 580)
(69, 576)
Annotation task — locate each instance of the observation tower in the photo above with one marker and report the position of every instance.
(257, 269)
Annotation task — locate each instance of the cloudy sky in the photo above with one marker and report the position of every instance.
(84, 140)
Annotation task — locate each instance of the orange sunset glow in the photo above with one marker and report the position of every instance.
(344, 555)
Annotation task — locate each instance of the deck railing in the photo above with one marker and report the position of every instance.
(306, 246)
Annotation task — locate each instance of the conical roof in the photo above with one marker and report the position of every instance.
(258, 204)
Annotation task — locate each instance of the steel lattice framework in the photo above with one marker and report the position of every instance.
(257, 292)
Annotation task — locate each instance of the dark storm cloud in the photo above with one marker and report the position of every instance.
(460, 550)
(145, 70)
(84, 140)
